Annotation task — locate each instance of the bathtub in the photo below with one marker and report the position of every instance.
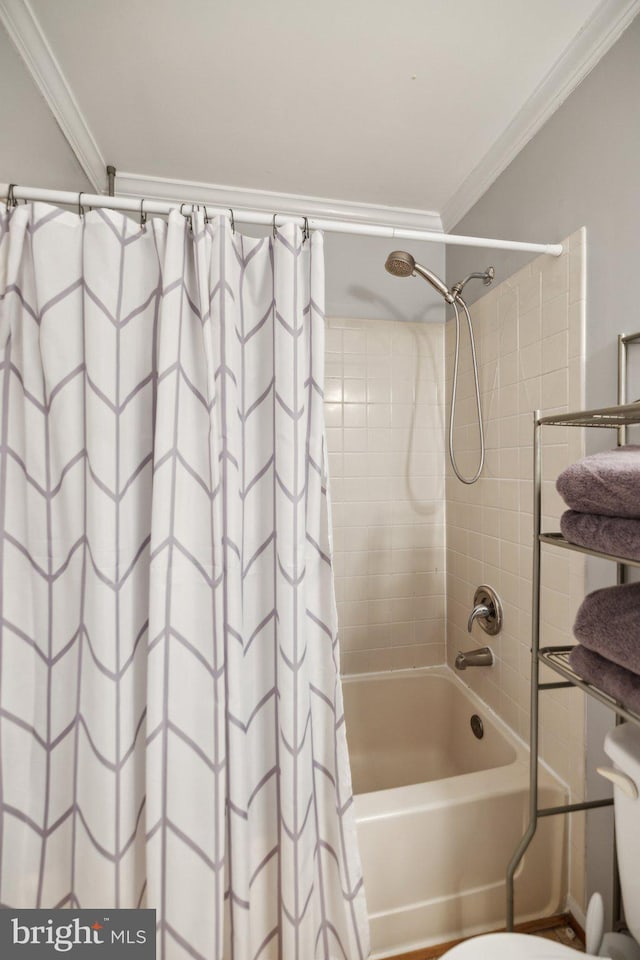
(440, 812)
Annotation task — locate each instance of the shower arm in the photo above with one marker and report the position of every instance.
(486, 276)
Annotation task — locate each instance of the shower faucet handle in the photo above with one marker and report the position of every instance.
(480, 611)
(487, 610)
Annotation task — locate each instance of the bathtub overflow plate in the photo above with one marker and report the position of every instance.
(477, 726)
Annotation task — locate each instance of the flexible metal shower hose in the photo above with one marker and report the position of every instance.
(454, 391)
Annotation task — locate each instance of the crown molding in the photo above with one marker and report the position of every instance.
(26, 33)
(218, 195)
(596, 37)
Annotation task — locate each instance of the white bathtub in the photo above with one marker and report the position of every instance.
(440, 812)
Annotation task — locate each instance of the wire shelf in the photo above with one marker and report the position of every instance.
(618, 416)
(558, 659)
(557, 540)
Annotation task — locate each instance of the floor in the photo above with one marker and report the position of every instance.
(565, 935)
(561, 928)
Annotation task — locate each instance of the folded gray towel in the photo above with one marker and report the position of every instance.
(608, 623)
(619, 683)
(605, 483)
(617, 535)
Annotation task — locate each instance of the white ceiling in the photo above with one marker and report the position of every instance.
(414, 104)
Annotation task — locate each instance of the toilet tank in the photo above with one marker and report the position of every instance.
(622, 745)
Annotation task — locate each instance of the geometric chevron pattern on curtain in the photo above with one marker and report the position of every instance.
(171, 723)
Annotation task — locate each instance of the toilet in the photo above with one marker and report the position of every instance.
(622, 746)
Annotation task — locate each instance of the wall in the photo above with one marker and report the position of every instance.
(581, 168)
(384, 413)
(529, 338)
(359, 286)
(33, 149)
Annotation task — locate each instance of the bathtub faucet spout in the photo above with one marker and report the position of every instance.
(483, 657)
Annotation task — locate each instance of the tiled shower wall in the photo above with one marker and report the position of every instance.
(384, 415)
(530, 342)
(391, 484)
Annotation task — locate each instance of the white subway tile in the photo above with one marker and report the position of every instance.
(508, 369)
(354, 367)
(354, 391)
(379, 415)
(334, 439)
(354, 439)
(555, 351)
(377, 367)
(529, 327)
(355, 414)
(354, 341)
(378, 391)
(403, 391)
(333, 414)
(555, 277)
(555, 315)
(530, 361)
(555, 391)
(577, 316)
(529, 293)
(333, 390)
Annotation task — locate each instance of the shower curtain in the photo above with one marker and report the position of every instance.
(171, 724)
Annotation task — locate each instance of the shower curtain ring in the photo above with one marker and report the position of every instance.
(11, 198)
(143, 216)
(233, 222)
(305, 230)
(274, 228)
(80, 207)
(206, 215)
(187, 216)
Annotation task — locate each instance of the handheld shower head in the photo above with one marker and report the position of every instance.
(402, 264)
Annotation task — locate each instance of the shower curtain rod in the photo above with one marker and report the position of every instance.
(142, 204)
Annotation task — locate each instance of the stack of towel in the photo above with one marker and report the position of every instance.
(603, 493)
(608, 655)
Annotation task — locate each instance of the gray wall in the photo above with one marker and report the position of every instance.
(33, 149)
(357, 285)
(581, 168)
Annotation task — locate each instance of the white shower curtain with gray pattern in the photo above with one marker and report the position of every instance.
(171, 723)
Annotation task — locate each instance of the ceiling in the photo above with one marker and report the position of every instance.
(417, 104)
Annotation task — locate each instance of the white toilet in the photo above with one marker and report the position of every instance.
(622, 745)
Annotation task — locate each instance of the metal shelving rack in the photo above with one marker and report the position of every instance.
(619, 418)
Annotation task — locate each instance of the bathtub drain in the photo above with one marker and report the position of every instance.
(477, 726)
